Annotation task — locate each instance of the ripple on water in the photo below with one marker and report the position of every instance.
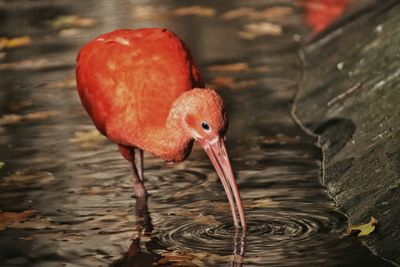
(269, 230)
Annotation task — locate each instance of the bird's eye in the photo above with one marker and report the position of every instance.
(205, 126)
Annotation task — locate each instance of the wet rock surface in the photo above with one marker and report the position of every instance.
(350, 97)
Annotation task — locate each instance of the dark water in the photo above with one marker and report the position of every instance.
(84, 207)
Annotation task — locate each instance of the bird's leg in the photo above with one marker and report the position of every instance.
(137, 173)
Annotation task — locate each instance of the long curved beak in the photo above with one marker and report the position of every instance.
(216, 151)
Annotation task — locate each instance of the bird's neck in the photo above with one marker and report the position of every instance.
(168, 143)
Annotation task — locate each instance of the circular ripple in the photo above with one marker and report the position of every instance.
(265, 230)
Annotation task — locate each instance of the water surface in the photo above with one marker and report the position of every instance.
(81, 192)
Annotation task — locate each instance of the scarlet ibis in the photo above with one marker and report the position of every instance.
(143, 91)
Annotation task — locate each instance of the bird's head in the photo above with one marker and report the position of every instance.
(201, 114)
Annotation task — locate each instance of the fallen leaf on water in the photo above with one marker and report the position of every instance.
(2, 164)
(6, 43)
(234, 67)
(254, 30)
(72, 21)
(10, 119)
(87, 139)
(147, 12)
(200, 218)
(10, 218)
(362, 229)
(200, 11)
(270, 13)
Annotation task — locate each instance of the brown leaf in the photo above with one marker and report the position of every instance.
(200, 218)
(10, 119)
(254, 30)
(9, 218)
(69, 83)
(234, 67)
(200, 11)
(6, 43)
(88, 139)
(270, 13)
(72, 21)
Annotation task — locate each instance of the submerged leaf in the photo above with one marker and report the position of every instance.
(363, 229)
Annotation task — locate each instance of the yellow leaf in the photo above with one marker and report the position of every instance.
(14, 42)
(72, 21)
(234, 67)
(2, 164)
(363, 229)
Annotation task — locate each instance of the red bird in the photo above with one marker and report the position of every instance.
(143, 91)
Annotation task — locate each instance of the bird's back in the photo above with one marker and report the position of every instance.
(130, 79)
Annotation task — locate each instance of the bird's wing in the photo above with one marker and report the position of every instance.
(130, 79)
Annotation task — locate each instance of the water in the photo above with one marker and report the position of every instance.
(81, 192)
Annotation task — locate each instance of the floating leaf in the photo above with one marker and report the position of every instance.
(10, 119)
(88, 139)
(234, 67)
(71, 21)
(9, 218)
(363, 229)
(270, 13)
(254, 30)
(200, 218)
(6, 43)
(200, 11)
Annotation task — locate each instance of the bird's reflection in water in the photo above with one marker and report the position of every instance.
(138, 256)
